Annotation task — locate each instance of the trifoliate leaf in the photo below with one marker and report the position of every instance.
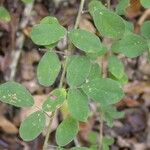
(48, 68)
(32, 126)
(66, 131)
(106, 91)
(78, 70)
(47, 34)
(116, 67)
(15, 94)
(78, 104)
(55, 100)
(145, 29)
(4, 14)
(85, 41)
(131, 45)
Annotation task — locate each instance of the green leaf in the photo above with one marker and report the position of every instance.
(48, 68)
(49, 20)
(95, 72)
(92, 137)
(78, 104)
(85, 41)
(96, 5)
(66, 131)
(15, 94)
(131, 45)
(116, 67)
(145, 3)
(145, 29)
(47, 34)
(79, 148)
(106, 91)
(78, 70)
(107, 141)
(108, 23)
(32, 126)
(121, 7)
(28, 1)
(110, 114)
(4, 14)
(129, 27)
(55, 100)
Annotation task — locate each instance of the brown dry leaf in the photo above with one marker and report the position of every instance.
(128, 102)
(134, 9)
(7, 126)
(85, 24)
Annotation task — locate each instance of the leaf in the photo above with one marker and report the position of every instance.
(85, 40)
(78, 104)
(15, 94)
(116, 67)
(49, 20)
(121, 7)
(4, 14)
(32, 126)
(145, 3)
(108, 23)
(78, 69)
(106, 91)
(47, 34)
(95, 72)
(55, 100)
(107, 141)
(145, 29)
(92, 137)
(110, 114)
(66, 131)
(80, 148)
(28, 1)
(129, 27)
(131, 45)
(48, 68)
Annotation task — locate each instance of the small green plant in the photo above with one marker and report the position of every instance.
(82, 75)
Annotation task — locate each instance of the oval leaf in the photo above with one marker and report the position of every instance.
(55, 100)
(116, 67)
(105, 91)
(121, 7)
(85, 41)
(47, 34)
(66, 131)
(78, 104)
(131, 45)
(49, 20)
(32, 126)
(48, 68)
(145, 29)
(78, 69)
(15, 94)
(108, 23)
(4, 14)
(145, 3)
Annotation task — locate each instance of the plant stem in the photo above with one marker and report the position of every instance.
(79, 14)
(63, 72)
(48, 132)
(101, 131)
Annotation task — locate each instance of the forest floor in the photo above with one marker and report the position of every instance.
(18, 61)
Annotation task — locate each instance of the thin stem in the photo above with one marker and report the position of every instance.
(79, 14)
(63, 72)
(101, 131)
(48, 132)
